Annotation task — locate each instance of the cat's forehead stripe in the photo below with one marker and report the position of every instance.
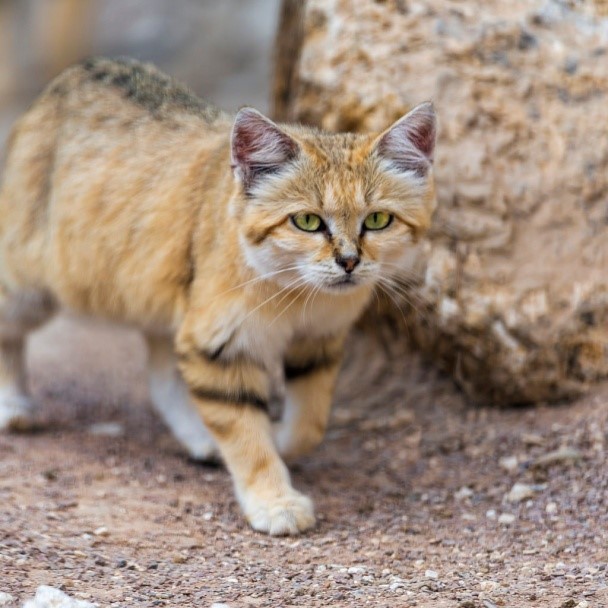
(343, 192)
(328, 200)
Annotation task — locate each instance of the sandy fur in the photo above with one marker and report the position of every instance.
(119, 201)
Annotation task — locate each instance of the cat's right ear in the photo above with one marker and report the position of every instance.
(258, 147)
(409, 145)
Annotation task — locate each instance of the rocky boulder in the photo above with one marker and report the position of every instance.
(510, 290)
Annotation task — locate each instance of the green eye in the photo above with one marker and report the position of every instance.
(308, 222)
(377, 220)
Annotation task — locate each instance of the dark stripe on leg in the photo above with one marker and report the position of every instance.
(216, 357)
(238, 398)
(297, 370)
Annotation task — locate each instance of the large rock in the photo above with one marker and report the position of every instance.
(511, 295)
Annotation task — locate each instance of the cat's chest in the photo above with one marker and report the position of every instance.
(267, 337)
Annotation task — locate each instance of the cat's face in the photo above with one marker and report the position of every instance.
(334, 212)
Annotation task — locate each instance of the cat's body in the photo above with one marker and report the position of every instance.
(119, 201)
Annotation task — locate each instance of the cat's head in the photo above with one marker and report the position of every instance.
(333, 211)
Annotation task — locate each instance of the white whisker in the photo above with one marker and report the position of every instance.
(262, 277)
(395, 292)
(291, 286)
(398, 308)
(289, 304)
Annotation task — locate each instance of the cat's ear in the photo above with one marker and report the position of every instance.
(409, 143)
(258, 147)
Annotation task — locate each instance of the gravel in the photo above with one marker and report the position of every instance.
(395, 526)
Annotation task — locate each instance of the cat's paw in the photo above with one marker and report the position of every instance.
(287, 515)
(200, 446)
(204, 452)
(16, 412)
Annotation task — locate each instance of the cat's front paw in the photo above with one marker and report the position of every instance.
(16, 412)
(287, 515)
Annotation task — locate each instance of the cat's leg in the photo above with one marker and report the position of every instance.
(20, 313)
(171, 399)
(311, 369)
(231, 397)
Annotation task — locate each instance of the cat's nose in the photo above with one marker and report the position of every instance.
(348, 262)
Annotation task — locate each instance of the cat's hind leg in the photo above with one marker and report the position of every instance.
(20, 313)
(171, 399)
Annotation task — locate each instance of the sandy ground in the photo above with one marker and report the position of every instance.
(412, 489)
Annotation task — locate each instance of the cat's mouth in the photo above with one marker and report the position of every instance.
(344, 283)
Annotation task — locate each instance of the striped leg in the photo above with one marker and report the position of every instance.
(231, 398)
(311, 370)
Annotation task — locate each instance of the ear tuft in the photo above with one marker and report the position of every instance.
(409, 144)
(258, 147)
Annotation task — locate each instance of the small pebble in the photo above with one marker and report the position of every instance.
(219, 605)
(6, 598)
(506, 518)
(532, 439)
(508, 463)
(107, 429)
(562, 455)
(488, 585)
(431, 574)
(47, 597)
(519, 492)
(551, 508)
(464, 492)
(101, 531)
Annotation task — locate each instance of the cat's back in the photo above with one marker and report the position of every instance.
(101, 117)
(111, 154)
(106, 101)
(99, 83)
(103, 104)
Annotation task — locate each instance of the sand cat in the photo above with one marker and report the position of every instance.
(243, 250)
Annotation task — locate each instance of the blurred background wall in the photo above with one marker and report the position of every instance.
(220, 48)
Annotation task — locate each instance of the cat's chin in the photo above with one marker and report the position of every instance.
(347, 283)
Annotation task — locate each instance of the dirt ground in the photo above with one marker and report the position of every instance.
(415, 492)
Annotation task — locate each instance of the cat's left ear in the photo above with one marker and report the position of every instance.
(258, 147)
(409, 144)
